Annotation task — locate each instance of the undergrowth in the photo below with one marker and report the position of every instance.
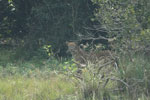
(52, 79)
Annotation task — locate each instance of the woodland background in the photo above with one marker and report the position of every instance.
(33, 35)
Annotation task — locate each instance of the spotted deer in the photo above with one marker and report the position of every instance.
(82, 57)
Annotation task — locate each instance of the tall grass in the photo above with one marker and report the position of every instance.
(37, 86)
(129, 82)
(136, 74)
(37, 79)
(50, 79)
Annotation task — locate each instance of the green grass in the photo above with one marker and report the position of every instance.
(35, 88)
(37, 79)
(51, 79)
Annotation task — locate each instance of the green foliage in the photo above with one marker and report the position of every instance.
(39, 23)
(50, 83)
(57, 22)
(126, 20)
(5, 18)
(135, 74)
(48, 49)
(70, 67)
(31, 70)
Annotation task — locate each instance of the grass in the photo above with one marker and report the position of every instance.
(37, 79)
(35, 88)
(53, 80)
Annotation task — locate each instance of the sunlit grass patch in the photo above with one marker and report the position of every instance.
(23, 88)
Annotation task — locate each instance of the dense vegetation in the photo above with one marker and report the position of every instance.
(35, 64)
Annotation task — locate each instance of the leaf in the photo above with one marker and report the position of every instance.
(65, 67)
(49, 54)
(66, 62)
(69, 68)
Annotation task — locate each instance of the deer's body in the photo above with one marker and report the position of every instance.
(82, 56)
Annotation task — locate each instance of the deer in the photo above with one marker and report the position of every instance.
(82, 57)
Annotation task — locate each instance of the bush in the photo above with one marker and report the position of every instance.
(136, 74)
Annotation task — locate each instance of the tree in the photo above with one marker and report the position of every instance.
(56, 21)
(127, 20)
(6, 18)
